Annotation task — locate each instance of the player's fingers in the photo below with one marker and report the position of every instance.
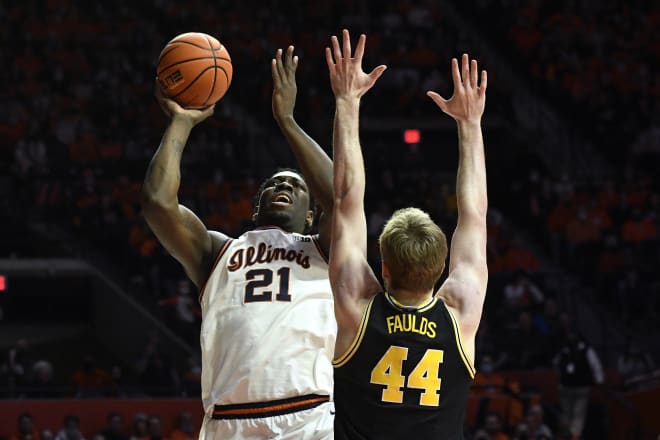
(439, 100)
(275, 72)
(377, 72)
(346, 43)
(455, 74)
(289, 59)
(359, 49)
(280, 64)
(484, 83)
(465, 69)
(335, 49)
(329, 60)
(208, 111)
(474, 73)
(295, 63)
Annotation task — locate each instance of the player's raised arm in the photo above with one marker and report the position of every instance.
(465, 287)
(351, 278)
(314, 163)
(178, 229)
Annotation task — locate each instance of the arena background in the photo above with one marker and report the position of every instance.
(95, 317)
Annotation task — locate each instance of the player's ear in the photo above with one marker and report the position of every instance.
(255, 214)
(384, 270)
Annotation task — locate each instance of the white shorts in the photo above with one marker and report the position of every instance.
(310, 424)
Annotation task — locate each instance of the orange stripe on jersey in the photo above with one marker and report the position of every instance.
(222, 251)
(268, 409)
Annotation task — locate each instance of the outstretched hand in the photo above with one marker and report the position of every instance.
(284, 84)
(174, 111)
(347, 78)
(469, 99)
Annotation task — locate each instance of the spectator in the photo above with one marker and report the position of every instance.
(526, 344)
(184, 429)
(487, 380)
(548, 324)
(156, 372)
(634, 362)
(113, 429)
(140, 431)
(492, 429)
(186, 310)
(25, 429)
(155, 429)
(522, 293)
(117, 386)
(71, 429)
(191, 381)
(20, 360)
(534, 427)
(579, 369)
(42, 385)
(90, 380)
(490, 344)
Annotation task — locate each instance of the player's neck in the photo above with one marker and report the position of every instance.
(409, 298)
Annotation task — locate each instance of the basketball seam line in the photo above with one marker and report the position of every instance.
(215, 74)
(191, 59)
(193, 81)
(197, 45)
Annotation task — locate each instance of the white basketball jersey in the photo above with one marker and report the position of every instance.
(268, 324)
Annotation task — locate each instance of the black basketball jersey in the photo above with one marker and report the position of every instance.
(405, 375)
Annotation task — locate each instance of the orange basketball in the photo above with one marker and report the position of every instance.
(194, 69)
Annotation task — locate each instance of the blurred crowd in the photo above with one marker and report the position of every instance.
(26, 372)
(141, 427)
(80, 124)
(596, 61)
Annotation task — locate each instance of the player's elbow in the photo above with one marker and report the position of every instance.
(477, 209)
(348, 196)
(152, 204)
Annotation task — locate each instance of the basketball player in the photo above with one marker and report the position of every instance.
(268, 329)
(404, 354)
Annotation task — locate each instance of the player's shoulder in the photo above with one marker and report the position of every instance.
(218, 240)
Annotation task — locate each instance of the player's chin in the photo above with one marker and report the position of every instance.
(277, 215)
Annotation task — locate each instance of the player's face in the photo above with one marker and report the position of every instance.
(284, 202)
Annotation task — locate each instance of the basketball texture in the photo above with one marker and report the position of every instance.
(194, 69)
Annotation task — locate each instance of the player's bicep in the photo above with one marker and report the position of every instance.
(184, 236)
(464, 290)
(468, 247)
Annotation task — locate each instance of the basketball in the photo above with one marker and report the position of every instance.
(194, 69)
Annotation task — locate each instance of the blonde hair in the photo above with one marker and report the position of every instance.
(414, 249)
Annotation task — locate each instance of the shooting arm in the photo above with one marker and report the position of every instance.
(178, 229)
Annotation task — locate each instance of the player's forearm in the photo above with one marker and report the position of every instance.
(161, 183)
(471, 190)
(314, 163)
(349, 178)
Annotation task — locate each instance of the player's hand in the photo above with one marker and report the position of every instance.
(284, 84)
(175, 111)
(469, 99)
(347, 78)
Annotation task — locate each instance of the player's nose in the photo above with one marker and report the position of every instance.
(284, 185)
